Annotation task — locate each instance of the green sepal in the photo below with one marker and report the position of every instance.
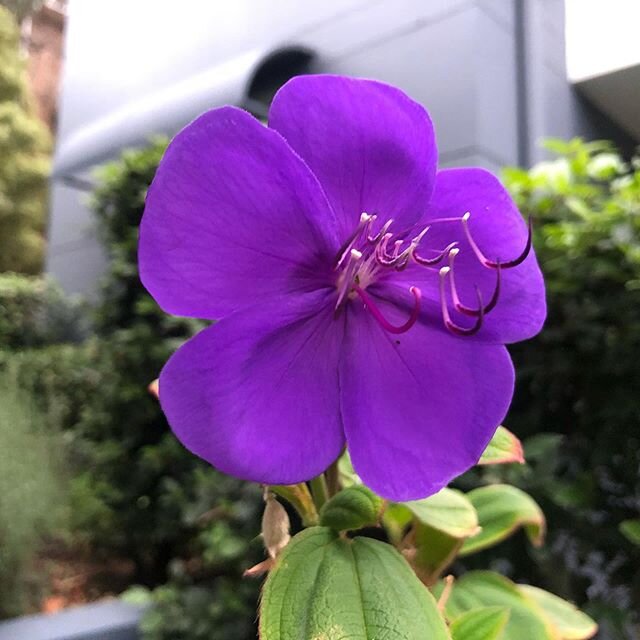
(352, 508)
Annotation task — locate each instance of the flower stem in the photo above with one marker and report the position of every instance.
(319, 490)
(298, 496)
(333, 479)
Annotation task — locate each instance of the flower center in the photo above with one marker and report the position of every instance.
(367, 256)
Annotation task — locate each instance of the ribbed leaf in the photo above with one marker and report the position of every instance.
(324, 587)
(569, 621)
(487, 623)
(502, 509)
(448, 511)
(479, 589)
(503, 448)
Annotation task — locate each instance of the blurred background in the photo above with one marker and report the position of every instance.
(99, 504)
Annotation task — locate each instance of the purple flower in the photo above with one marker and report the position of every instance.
(364, 298)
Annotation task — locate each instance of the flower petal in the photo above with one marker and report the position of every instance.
(372, 147)
(501, 233)
(233, 217)
(256, 395)
(418, 408)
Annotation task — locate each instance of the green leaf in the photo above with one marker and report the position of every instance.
(569, 621)
(352, 508)
(324, 587)
(479, 589)
(486, 623)
(442, 522)
(503, 448)
(431, 551)
(396, 519)
(630, 529)
(448, 511)
(502, 509)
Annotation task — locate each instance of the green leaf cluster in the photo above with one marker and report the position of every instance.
(332, 582)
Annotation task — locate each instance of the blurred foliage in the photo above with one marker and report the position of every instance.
(32, 489)
(179, 519)
(24, 161)
(135, 492)
(35, 312)
(581, 378)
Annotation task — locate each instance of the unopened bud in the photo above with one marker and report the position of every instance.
(154, 388)
(275, 526)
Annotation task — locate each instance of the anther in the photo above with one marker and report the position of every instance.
(365, 220)
(457, 303)
(493, 264)
(448, 323)
(348, 275)
(384, 323)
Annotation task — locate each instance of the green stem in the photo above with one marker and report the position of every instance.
(300, 499)
(319, 490)
(333, 479)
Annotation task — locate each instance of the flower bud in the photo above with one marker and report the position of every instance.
(275, 526)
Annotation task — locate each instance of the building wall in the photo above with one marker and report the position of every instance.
(44, 63)
(491, 72)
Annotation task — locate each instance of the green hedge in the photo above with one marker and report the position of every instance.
(580, 378)
(24, 160)
(34, 312)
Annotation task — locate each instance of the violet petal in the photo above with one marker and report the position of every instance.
(256, 395)
(233, 218)
(372, 147)
(419, 408)
(501, 232)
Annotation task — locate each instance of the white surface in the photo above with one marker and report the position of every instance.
(602, 36)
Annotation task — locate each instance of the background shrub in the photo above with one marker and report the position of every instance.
(580, 378)
(32, 489)
(24, 161)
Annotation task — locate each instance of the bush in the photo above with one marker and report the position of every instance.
(157, 497)
(32, 489)
(24, 161)
(34, 312)
(581, 378)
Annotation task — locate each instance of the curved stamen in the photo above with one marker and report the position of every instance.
(448, 323)
(493, 264)
(457, 303)
(365, 221)
(386, 260)
(349, 274)
(383, 230)
(429, 262)
(384, 323)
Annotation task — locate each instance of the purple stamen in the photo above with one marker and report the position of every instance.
(429, 262)
(493, 264)
(384, 323)
(448, 323)
(457, 303)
